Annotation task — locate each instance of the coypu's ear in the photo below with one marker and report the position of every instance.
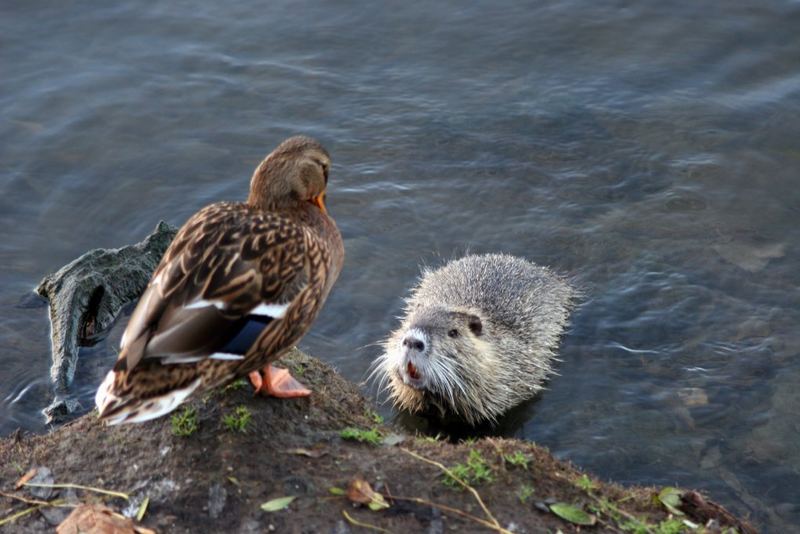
(475, 324)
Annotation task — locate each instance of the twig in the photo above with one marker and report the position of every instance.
(610, 526)
(456, 511)
(23, 499)
(16, 516)
(620, 511)
(616, 508)
(457, 479)
(55, 503)
(78, 486)
(364, 525)
(58, 503)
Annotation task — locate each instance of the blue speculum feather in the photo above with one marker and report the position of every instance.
(248, 334)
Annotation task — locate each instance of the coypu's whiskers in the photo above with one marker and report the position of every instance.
(478, 336)
(380, 365)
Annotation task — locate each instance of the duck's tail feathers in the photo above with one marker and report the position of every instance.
(115, 407)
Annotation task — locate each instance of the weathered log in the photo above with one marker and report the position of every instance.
(86, 296)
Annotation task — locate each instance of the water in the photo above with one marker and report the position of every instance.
(648, 149)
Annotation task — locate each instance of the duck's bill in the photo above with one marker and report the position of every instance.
(319, 201)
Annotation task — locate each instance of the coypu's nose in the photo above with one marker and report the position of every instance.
(412, 342)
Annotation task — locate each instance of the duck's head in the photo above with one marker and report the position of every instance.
(294, 173)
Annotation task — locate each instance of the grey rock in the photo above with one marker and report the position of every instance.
(43, 476)
(133, 505)
(217, 496)
(54, 515)
(85, 298)
(436, 526)
(340, 528)
(393, 439)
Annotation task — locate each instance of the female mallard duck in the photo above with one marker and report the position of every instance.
(240, 284)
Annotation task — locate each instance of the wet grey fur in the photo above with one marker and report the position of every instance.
(523, 309)
(85, 298)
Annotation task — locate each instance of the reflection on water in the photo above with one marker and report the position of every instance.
(647, 149)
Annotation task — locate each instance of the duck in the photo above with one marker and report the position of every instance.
(240, 284)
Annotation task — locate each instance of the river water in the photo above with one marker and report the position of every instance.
(647, 149)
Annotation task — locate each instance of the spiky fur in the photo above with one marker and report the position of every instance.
(523, 308)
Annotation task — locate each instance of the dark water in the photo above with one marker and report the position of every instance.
(650, 149)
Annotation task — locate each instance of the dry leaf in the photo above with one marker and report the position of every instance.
(98, 519)
(671, 499)
(311, 453)
(573, 514)
(360, 491)
(25, 478)
(142, 508)
(275, 505)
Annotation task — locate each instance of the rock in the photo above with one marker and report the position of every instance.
(217, 495)
(393, 439)
(340, 528)
(54, 516)
(132, 508)
(436, 526)
(85, 298)
(43, 476)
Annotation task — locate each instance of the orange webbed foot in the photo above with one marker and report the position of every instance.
(277, 382)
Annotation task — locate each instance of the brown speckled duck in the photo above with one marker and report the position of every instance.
(240, 284)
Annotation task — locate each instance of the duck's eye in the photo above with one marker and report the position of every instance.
(453, 333)
(325, 173)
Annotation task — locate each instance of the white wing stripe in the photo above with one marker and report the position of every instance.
(173, 359)
(226, 356)
(276, 311)
(200, 303)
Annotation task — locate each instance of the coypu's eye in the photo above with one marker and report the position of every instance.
(453, 333)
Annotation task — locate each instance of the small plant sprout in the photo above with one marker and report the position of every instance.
(373, 436)
(475, 471)
(236, 385)
(184, 423)
(374, 416)
(585, 483)
(238, 420)
(517, 459)
(431, 439)
(525, 492)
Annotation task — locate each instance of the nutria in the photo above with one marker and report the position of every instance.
(478, 337)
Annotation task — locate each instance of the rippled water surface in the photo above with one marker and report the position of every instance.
(649, 149)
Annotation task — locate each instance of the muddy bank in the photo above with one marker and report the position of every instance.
(213, 469)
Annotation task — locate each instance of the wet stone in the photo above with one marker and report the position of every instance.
(43, 476)
(217, 496)
(340, 528)
(54, 515)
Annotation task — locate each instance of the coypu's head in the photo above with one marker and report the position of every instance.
(439, 358)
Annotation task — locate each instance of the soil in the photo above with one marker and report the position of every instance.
(217, 478)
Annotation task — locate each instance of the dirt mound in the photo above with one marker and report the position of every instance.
(212, 466)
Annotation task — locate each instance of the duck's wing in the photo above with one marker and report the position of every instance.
(229, 273)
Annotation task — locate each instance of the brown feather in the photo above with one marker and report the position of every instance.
(277, 249)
